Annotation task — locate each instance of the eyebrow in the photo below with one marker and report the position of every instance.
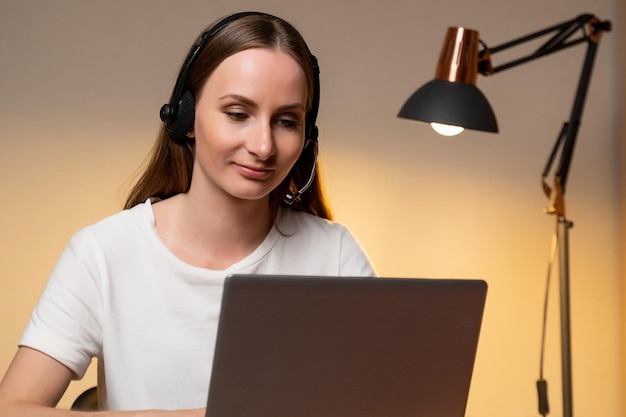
(252, 103)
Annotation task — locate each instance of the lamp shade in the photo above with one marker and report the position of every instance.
(450, 103)
(452, 98)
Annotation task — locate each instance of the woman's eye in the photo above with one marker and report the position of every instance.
(236, 115)
(288, 123)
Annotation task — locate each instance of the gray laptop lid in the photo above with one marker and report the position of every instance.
(345, 347)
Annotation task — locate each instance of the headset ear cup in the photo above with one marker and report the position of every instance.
(313, 134)
(183, 121)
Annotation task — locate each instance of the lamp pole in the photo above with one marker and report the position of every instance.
(566, 352)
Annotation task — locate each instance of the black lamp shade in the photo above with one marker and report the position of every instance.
(452, 97)
(450, 103)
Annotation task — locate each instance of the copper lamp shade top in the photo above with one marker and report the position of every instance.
(458, 61)
(452, 98)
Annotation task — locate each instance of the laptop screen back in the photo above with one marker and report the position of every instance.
(345, 347)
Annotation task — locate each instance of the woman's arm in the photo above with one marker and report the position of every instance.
(35, 382)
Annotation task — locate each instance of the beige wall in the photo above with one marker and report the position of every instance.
(82, 83)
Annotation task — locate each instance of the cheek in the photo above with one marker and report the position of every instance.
(211, 137)
(292, 153)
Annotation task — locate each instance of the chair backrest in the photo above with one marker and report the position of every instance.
(87, 401)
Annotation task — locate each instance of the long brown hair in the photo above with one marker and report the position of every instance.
(170, 166)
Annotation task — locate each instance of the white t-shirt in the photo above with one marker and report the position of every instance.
(119, 295)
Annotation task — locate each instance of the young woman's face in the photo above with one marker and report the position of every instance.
(249, 124)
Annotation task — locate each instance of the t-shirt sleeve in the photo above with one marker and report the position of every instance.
(65, 324)
(353, 259)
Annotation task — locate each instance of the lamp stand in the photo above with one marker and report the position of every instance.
(563, 227)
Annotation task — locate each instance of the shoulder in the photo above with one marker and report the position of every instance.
(310, 245)
(119, 229)
(140, 214)
(291, 223)
(299, 226)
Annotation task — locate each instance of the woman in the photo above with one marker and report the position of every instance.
(223, 193)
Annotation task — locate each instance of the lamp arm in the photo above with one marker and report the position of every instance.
(566, 139)
(575, 116)
(590, 29)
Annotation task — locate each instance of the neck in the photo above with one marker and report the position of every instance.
(209, 233)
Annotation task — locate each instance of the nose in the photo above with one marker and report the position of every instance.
(261, 141)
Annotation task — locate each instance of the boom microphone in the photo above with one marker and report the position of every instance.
(291, 198)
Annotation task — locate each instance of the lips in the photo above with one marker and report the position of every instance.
(254, 173)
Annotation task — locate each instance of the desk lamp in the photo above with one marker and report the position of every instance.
(452, 102)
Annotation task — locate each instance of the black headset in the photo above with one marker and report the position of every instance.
(178, 115)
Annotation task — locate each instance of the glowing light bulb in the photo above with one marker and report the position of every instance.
(446, 130)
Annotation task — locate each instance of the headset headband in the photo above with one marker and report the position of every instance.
(179, 113)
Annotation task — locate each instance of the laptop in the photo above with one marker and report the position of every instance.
(299, 346)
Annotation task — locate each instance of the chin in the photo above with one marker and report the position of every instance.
(251, 195)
